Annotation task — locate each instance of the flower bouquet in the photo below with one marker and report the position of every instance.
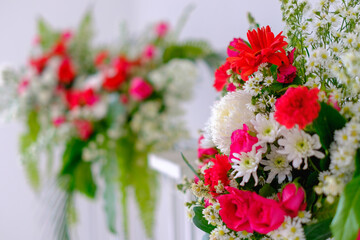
(279, 157)
(105, 108)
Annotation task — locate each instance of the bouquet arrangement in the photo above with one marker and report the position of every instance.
(279, 157)
(107, 107)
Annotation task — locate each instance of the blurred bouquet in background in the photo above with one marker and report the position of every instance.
(106, 108)
(279, 157)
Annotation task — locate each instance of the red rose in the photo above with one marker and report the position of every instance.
(265, 215)
(292, 200)
(218, 172)
(66, 72)
(140, 89)
(297, 106)
(235, 209)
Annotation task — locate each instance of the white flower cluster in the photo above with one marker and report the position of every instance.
(291, 229)
(342, 165)
(175, 81)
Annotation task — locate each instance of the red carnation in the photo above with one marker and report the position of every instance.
(218, 172)
(66, 71)
(297, 106)
(221, 76)
(264, 48)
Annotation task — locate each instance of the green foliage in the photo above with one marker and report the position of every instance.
(346, 223)
(109, 173)
(357, 163)
(267, 190)
(252, 22)
(48, 36)
(189, 50)
(200, 221)
(83, 179)
(81, 46)
(326, 123)
(134, 172)
(78, 171)
(318, 231)
(26, 140)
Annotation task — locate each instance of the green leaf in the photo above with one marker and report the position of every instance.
(346, 223)
(26, 140)
(199, 220)
(109, 174)
(72, 155)
(83, 179)
(188, 50)
(328, 121)
(267, 190)
(318, 231)
(80, 47)
(189, 165)
(48, 36)
(357, 163)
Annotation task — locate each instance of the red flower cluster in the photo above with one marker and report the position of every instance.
(218, 172)
(76, 98)
(248, 211)
(66, 71)
(114, 80)
(264, 48)
(297, 106)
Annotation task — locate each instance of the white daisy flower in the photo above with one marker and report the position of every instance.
(267, 128)
(229, 114)
(278, 165)
(299, 146)
(303, 217)
(245, 165)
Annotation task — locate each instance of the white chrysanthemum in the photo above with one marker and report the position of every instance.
(245, 165)
(220, 233)
(278, 165)
(298, 146)
(228, 115)
(207, 142)
(267, 128)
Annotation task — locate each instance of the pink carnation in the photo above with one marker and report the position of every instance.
(140, 89)
(59, 121)
(242, 141)
(297, 106)
(292, 199)
(231, 87)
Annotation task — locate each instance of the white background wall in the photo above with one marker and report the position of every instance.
(215, 20)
